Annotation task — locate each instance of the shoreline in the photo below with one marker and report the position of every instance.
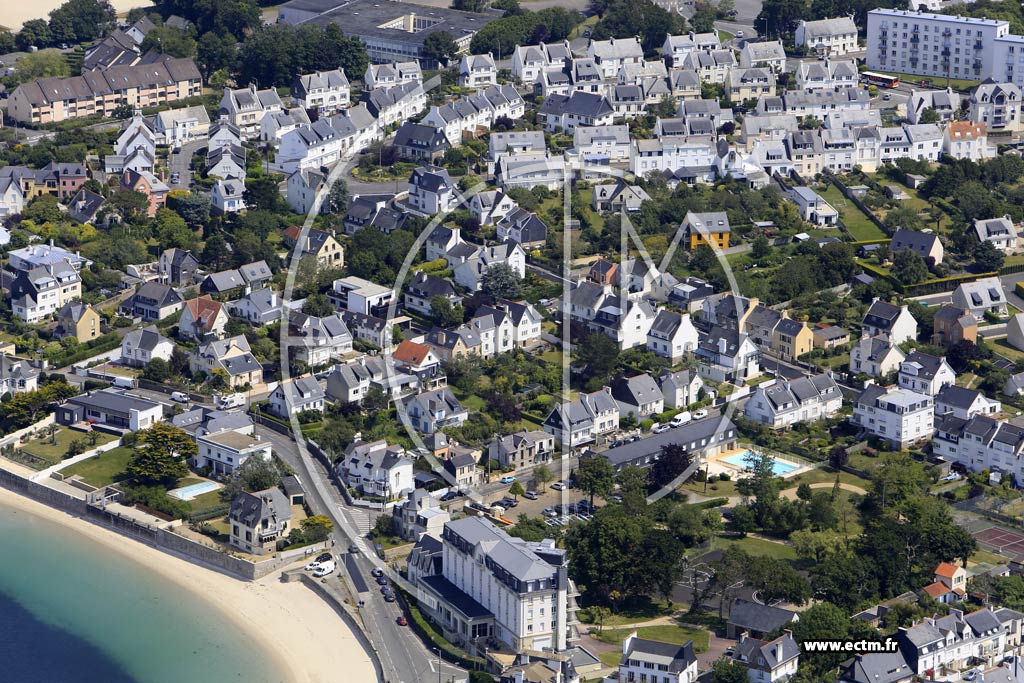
(293, 627)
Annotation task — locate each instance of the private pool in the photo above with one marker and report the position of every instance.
(779, 467)
(190, 492)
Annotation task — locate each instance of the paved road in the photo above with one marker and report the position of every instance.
(180, 162)
(403, 655)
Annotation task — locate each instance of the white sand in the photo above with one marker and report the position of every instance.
(13, 14)
(307, 640)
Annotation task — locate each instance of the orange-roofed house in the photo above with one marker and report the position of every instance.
(967, 140)
(940, 592)
(953, 575)
(420, 360)
(203, 319)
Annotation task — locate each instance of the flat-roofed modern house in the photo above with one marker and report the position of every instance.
(111, 407)
(225, 451)
(899, 416)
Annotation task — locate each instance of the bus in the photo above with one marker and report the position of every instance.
(872, 78)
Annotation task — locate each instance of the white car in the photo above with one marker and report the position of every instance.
(661, 428)
(324, 569)
(681, 418)
(558, 486)
(700, 414)
(312, 566)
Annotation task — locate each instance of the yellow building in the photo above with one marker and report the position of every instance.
(792, 338)
(78, 320)
(710, 228)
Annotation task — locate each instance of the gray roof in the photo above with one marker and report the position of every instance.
(829, 27)
(879, 667)
(762, 618)
(252, 509)
(146, 339)
(693, 432)
(676, 657)
(637, 390)
(112, 400)
(766, 656)
(517, 557)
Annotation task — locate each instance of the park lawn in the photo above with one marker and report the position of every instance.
(856, 221)
(758, 547)
(716, 488)
(676, 635)
(840, 361)
(611, 658)
(55, 453)
(633, 611)
(103, 469)
(825, 474)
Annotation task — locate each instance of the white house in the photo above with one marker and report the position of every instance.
(681, 388)
(672, 335)
(226, 450)
(432, 191)
(674, 663)
(477, 71)
(925, 374)
(876, 356)
(898, 416)
(377, 469)
(228, 196)
(175, 127)
(894, 321)
(296, 395)
(832, 37)
(610, 55)
(1000, 232)
(769, 54)
(786, 402)
(997, 105)
(528, 61)
(325, 91)
(581, 421)
(981, 297)
(966, 140)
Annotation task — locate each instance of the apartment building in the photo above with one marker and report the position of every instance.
(899, 416)
(937, 45)
(784, 403)
(980, 442)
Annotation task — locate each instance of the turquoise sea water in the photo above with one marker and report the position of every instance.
(71, 611)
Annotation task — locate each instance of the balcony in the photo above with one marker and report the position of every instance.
(945, 52)
(978, 45)
(915, 39)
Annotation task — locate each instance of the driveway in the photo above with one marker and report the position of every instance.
(180, 162)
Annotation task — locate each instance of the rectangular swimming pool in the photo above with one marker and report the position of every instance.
(779, 468)
(190, 492)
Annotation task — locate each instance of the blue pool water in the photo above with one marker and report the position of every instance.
(190, 492)
(779, 468)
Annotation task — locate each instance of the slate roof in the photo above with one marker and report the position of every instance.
(677, 658)
(762, 618)
(252, 509)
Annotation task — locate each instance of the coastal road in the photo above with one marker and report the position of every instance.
(402, 654)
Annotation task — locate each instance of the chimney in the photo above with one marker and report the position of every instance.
(441, 337)
(722, 344)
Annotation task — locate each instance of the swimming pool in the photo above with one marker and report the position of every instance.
(779, 467)
(190, 492)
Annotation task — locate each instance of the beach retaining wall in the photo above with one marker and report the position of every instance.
(161, 539)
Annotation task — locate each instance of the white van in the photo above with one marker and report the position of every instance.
(681, 418)
(324, 569)
(226, 401)
(179, 397)
(124, 382)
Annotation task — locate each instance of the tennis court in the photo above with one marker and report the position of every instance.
(1006, 542)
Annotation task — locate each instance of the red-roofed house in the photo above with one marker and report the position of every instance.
(420, 360)
(967, 140)
(203, 319)
(940, 592)
(953, 575)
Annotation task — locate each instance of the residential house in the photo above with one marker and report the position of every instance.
(830, 336)
(791, 338)
(244, 108)
(112, 407)
(303, 186)
(152, 301)
(232, 356)
(894, 321)
(964, 403)
(175, 127)
(462, 468)
(566, 112)
(377, 469)
(638, 396)
(602, 145)
(997, 105)
(583, 420)
(225, 451)
(420, 513)
(390, 75)
(967, 140)
(641, 657)
(228, 196)
(296, 395)
(828, 75)
(943, 103)
(368, 328)
(490, 206)
(784, 403)
(259, 520)
(78, 320)
(1000, 232)
(813, 208)
(316, 341)
(953, 641)
(148, 184)
(752, 83)
(522, 449)
(728, 356)
(395, 103)
(522, 227)
(710, 228)
(316, 244)
(981, 297)
(619, 196)
(421, 143)
(771, 661)
(680, 389)
(434, 411)
(678, 47)
(423, 289)
(757, 620)
(770, 55)
(953, 325)
(477, 71)
(259, 307)
(17, 375)
(612, 54)
(140, 347)
(529, 61)
(925, 374)
(178, 266)
(925, 244)
(672, 335)
(432, 191)
(876, 356)
(898, 416)
(360, 296)
(202, 318)
(327, 92)
(831, 37)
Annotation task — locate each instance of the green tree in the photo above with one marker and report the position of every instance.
(157, 370)
(129, 204)
(500, 281)
(317, 305)
(542, 475)
(928, 115)
(777, 580)
(194, 208)
(337, 198)
(263, 194)
(760, 247)
(516, 489)
(672, 461)
(42, 64)
(726, 670)
(317, 528)
(169, 41)
(384, 527)
(816, 545)
(161, 460)
(469, 5)
(215, 252)
(79, 21)
(987, 258)
(599, 354)
(595, 477)
(440, 47)
(444, 314)
(823, 621)
(258, 474)
(909, 267)
(33, 33)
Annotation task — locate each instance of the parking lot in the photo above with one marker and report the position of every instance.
(548, 498)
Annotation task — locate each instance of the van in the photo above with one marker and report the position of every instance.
(324, 569)
(179, 396)
(681, 418)
(226, 401)
(124, 382)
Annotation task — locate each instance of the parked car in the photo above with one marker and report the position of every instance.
(616, 443)
(559, 486)
(549, 512)
(681, 418)
(507, 479)
(509, 502)
(661, 428)
(377, 571)
(634, 438)
(700, 414)
(531, 495)
(401, 620)
(479, 506)
(450, 495)
(382, 581)
(323, 557)
(179, 397)
(312, 566)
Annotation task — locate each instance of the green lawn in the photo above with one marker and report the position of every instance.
(206, 501)
(677, 635)
(55, 452)
(856, 221)
(825, 474)
(611, 658)
(758, 547)
(937, 82)
(1003, 348)
(103, 469)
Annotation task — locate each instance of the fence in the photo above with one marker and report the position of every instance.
(858, 203)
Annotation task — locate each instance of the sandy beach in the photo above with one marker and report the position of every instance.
(14, 14)
(302, 634)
